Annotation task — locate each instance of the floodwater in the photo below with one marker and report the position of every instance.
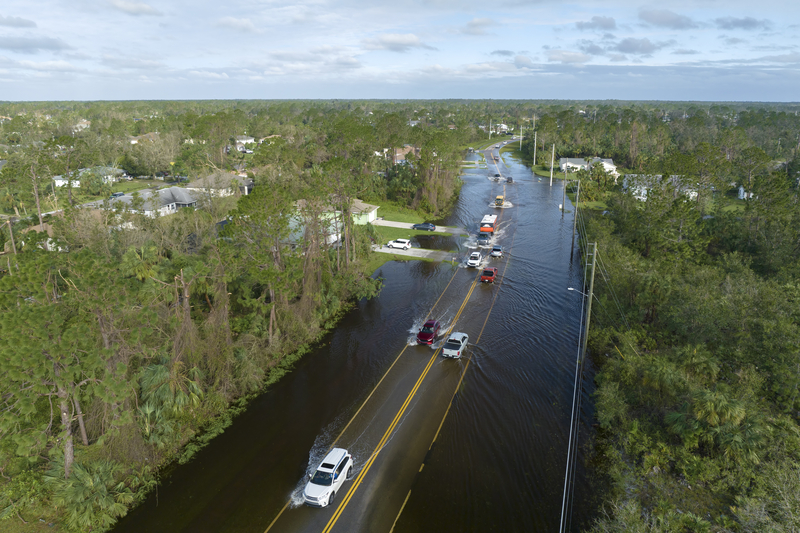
(499, 457)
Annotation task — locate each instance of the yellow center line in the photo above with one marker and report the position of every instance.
(286, 505)
(392, 426)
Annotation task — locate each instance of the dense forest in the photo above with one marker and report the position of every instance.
(143, 336)
(695, 330)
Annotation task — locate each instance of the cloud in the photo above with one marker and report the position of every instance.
(598, 23)
(618, 57)
(132, 7)
(396, 42)
(639, 46)
(130, 63)
(666, 19)
(16, 22)
(523, 62)
(205, 74)
(746, 23)
(565, 56)
(794, 57)
(685, 52)
(508, 53)
(732, 40)
(31, 45)
(245, 25)
(49, 66)
(590, 48)
(477, 26)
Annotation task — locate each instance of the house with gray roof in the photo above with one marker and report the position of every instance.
(156, 203)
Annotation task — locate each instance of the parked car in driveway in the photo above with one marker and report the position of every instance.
(428, 332)
(403, 244)
(474, 259)
(427, 226)
(488, 275)
(329, 477)
(455, 345)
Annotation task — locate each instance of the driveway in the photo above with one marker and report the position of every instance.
(407, 225)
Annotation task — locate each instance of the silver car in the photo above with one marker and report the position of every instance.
(455, 345)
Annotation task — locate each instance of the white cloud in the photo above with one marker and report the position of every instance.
(209, 75)
(243, 24)
(477, 26)
(793, 57)
(666, 19)
(523, 62)
(16, 22)
(132, 7)
(639, 46)
(395, 42)
(744, 23)
(49, 66)
(598, 23)
(31, 45)
(565, 56)
(130, 63)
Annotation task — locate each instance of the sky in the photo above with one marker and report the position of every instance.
(707, 50)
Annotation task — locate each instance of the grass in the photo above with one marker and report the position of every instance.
(399, 214)
(378, 259)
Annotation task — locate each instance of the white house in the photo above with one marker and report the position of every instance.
(245, 139)
(639, 185)
(573, 164)
(743, 194)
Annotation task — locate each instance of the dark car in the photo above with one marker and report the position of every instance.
(483, 239)
(429, 332)
(510, 179)
(427, 226)
(488, 275)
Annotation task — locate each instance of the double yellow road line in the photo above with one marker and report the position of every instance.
(394, 423)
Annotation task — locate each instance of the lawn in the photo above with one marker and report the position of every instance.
(398, 214)
(378, 259)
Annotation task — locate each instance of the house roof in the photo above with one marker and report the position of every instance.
(572, 161)
(358, 206)
(154, 200)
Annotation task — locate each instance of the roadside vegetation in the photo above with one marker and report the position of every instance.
(695, 328)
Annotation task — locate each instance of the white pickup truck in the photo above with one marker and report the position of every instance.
(403, 244)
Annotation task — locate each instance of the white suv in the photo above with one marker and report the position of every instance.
(329, 478)
(404, 244)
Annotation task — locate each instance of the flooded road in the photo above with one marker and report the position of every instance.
(498, 460)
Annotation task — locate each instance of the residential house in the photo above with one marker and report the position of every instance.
(362, 212)
(157, 203)
(245, 139)
(401, 153)
(147, 137)
(109, 175)
(744, 194)
(572, 164)
(640, 184)
(81, 125)
(220, 184)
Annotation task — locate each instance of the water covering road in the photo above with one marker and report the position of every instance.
(498, 460)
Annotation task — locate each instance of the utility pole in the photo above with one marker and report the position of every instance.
(534, 149)
(589, 307)
(564, 196)
(575, 220)
(552, 162)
